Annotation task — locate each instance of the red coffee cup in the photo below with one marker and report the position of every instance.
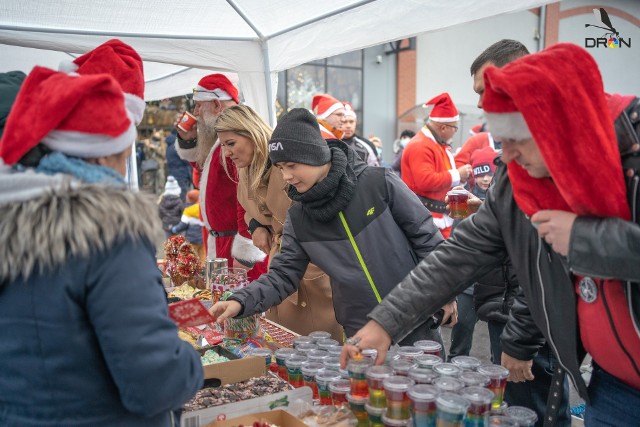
(186, 122)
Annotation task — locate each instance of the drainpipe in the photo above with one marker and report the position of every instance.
(542, 23)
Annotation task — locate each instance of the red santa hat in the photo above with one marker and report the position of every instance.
(444, 110)
(569, 122)
(323, 105)
(123, 63)
(349, 111)
(482, 161)
(215, 86)
(82, 116)
(476, 129)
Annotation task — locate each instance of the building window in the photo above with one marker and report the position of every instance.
(339, 76)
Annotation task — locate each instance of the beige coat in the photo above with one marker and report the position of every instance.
(311, 308)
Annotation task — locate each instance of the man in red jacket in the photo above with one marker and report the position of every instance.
(428, 166)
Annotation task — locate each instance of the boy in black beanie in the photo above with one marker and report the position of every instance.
(360, 224)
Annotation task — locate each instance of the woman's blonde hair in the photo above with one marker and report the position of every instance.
(244, 121)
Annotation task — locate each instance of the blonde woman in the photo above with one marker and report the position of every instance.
(244, 137)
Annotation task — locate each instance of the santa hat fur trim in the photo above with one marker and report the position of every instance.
(324, 105)
(505, 126)
(83, 116)
(215, 86)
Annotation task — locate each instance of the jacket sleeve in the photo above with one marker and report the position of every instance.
(605, 247)
(521, 338)
(412, 217)
(474, 249)
(153, 369)
(285, 272)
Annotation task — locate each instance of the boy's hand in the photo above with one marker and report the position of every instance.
(372, 335)
(224, 310)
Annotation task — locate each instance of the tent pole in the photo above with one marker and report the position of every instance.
(268, 83)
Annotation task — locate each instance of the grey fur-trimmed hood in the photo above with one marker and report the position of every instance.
(70, 220)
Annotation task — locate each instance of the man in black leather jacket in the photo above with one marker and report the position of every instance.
(547, 260)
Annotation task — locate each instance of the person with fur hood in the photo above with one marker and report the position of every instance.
(86, 336)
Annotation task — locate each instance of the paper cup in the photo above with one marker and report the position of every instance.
(186, 122)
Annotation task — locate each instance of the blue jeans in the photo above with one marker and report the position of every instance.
(532, 394)
(613, 403)
(462, 332)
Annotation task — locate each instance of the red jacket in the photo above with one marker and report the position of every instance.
(428, 169)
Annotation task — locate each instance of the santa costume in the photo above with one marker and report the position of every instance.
(323, 105)
(428, 166)
(223, 217)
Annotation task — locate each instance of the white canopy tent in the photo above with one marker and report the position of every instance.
(181, 41)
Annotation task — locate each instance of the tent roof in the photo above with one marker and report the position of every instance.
(254, 38)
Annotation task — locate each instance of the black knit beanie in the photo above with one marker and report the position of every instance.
(297, 139)
(9, 86)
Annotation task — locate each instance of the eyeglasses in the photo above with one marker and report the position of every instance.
(450, 126)
(205, 91)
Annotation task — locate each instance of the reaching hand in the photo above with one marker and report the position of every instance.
(555, 228)
(372, 335)
(519, 370)
(224, 310)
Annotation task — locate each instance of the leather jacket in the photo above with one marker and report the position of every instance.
(479, 245)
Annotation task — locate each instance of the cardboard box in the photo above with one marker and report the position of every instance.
(228, 412)
(278, 417)
(233, 371)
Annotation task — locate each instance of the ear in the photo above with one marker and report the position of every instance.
(217, 107)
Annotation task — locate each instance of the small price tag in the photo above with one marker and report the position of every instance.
(190, 313)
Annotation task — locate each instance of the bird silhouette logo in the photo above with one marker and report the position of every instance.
(612, 36)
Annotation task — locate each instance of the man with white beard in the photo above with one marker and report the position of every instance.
(428, 167)
(217, 178)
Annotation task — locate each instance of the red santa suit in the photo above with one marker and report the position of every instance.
(223, 217)
(428, 169)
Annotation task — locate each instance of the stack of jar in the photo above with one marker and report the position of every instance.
(415, 387)
(419, 389)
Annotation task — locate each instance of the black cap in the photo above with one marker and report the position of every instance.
(297, 139)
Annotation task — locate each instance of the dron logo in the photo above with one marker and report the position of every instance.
(610, 39)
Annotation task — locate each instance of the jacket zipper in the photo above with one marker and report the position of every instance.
(546, 316)
(613, 329)
(359, 256)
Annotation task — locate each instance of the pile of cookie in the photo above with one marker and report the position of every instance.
(244, 390)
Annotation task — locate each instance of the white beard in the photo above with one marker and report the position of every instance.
(207, 137)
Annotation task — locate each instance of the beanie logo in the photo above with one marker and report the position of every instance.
(275, 146)
(481, 170)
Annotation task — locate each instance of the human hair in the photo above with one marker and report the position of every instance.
(407, 133)
(500, 54)
(243, 120)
